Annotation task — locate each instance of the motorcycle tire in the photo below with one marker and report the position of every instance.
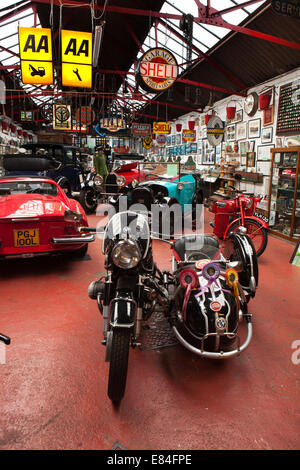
(86, 199)
(261, 243)
(118, 363)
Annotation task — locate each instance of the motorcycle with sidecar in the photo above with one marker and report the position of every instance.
(204, 297)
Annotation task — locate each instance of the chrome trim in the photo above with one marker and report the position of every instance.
(68, 240)
(26, 219)
(215, 355)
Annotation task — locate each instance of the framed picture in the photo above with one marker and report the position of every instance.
(264, 152)
(218, 154)
(254, 128)
(202, 121)
(230, 132)
(251, 145)
(173, 139)
(278, 141)
(178, 139)
(266, 135)
(238, 116)
(264, 168)
(268, 116)
(199, 154)
(208, 153)
(250, 159)
(241, 131)
(244, 148)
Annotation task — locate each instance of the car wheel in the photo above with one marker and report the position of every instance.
(87, 200)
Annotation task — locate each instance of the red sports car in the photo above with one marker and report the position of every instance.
(36, 217)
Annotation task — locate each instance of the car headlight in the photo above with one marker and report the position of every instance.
(72, 216)
(121, 180)
(180, 186)
(134, 183)
(126, 254)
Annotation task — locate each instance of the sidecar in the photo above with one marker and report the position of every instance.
(211, 292)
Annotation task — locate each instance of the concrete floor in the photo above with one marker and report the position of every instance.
(53, 385)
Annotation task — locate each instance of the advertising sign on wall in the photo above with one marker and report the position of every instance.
(287, 7)
(188, 135)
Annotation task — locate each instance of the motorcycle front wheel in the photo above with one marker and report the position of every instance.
(255, 232)
(118, 363)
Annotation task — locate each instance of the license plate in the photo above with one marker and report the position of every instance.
(262, 217)
(29, 237)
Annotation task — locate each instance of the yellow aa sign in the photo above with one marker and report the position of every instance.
(76, 47)
(76, 56)
(35, 46)
(77, 75)
(35, 72)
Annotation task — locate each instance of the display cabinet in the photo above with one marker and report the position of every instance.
(284, 193)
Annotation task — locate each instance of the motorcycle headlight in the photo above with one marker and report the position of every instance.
(126, 254)
(98, 180)
(180, 186)
(134, 183)
(121, 180)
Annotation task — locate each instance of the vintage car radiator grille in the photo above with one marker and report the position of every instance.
(111, 184)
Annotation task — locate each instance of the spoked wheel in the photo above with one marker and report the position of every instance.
(87, 200)
(256, 233)
(118, 363)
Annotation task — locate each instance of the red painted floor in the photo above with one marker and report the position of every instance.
(53, 385)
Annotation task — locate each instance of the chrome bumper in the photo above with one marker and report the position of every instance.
(69, 240)
(215, 355)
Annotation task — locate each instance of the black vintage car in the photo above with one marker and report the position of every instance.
(60, 162)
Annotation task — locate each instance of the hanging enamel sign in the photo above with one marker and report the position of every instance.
(76, 57)
(156, 70)
(62, 117)
(215, 131)
(35, 46)
(147, 142)
(161, 127)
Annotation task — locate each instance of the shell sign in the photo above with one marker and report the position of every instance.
(161, 127)
(156, 70)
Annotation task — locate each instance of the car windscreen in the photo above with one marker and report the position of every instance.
(8, 188)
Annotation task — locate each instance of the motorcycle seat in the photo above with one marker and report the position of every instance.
(206, 245)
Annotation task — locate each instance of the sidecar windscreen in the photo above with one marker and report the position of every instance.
(195, 247)
(128, 225)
